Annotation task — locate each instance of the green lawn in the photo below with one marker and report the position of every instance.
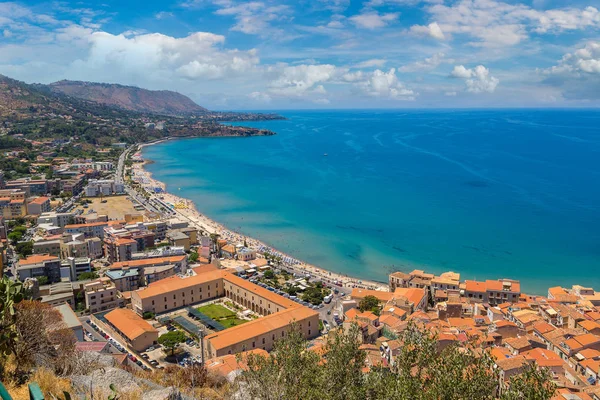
(221, 314)
(229, 322)
(216, 311)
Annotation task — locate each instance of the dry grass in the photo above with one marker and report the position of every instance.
(49, 383)
(115, 207)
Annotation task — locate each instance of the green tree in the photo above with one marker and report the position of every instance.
(171, 340)
(24, 248)
(193, 257)
(269, 274)
(148, 315)
(88, 275)
(369, 303)
(42, 280)
(532, 383)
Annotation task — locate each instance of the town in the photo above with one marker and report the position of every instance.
(135, 278)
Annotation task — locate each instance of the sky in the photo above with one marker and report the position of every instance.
(319, 54)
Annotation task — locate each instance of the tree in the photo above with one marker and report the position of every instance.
(533, 383)
(171, 340)
(421, 370)
(269, 274)
(88, 275)
(15, 237)
(42, 280)
(193, 257)
(24, 248)
(369, 303)
(148, 315)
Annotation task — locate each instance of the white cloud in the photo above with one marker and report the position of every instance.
(6, 33)
(299, 80)
(163, 15)
(373, 20)
(374, 62)
(254, 17)
(477, 80)
(385, 85)
(494, 23)
(450, 94)
(585, 60)
(433, 30)
(427, 64)
(260, 96)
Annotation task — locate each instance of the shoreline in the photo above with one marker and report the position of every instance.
(187, 209)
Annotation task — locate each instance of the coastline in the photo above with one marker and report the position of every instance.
(186, 209)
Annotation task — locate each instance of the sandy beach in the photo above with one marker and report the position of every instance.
(186, 209)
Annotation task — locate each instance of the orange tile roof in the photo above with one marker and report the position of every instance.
(260, 326)
(461, 322)
(503, 323)
(414, 295)
(229, 363)
(147, 261)
(475, 286)
(593, 315)
(367, 315)
(260, 291)
(589, 325)
(362, 293)
(587, 339)
(167, 285)
(129, 323)
(543, 327)
(39, 200)
(590, 353)
(121, 241)
(37, 258)
(544, 357)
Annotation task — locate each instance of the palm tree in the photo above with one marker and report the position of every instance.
(215, 239)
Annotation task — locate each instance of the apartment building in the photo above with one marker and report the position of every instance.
(101, 295)
(30, 186)
(179, 262)
(51, 247)
(38, 206)
(125, 279)
(119, 249)
(105, 187)
(38, 265)
(77, 266)
(94, 229)
(56, 219)
(493, 292)
(12, 203)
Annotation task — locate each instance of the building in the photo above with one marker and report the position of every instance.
(493, 292)
(245, 254)
(51, 247)
(94, 229)
(39, 265)
(119, 248)
(12, 203)
(207, 284)
(104, 187)
(56, 219)
(137, 333)
(71, 321)
(178, 238)
(101, 295)
(38, 206)
(77, 266)
(30, 186)
(180, 263)
(125, 279)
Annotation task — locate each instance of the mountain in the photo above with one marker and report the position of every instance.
(131, 98)
(38, 112)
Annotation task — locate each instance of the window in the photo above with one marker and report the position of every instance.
(273, 336)
(165, 306)
(183, 294)
(282, 333)
(192, 291)
(208, 287)
(309, 323)
(309, 332)
(264, 340)
(253, 345)
(152, 302)
(175, 304)
(165, 298)
(174, 296)
(192, 299)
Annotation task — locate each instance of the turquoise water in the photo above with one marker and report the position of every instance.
(489, 194)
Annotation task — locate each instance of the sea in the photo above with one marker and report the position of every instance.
(486, 193)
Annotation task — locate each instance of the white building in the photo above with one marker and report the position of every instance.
(54, 218)
(105, 187)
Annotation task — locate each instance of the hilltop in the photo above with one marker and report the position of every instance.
(34, 112)
(131, 98)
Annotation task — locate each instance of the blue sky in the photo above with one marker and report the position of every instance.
(229, 54)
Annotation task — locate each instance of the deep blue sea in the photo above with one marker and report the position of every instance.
(489, 194)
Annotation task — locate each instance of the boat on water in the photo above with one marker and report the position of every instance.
(325, 155)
